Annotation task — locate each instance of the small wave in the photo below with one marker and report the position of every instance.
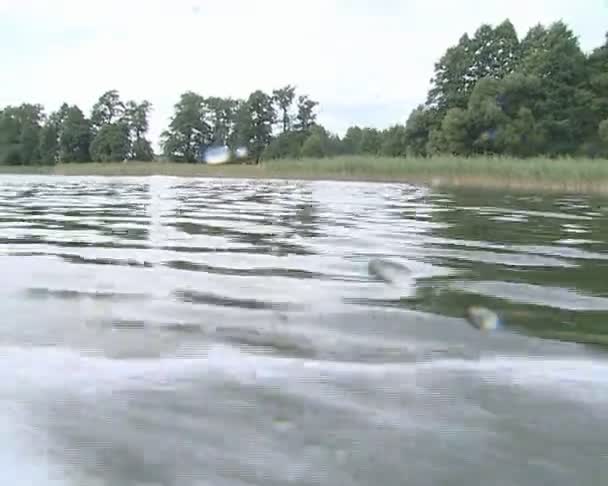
(48, 369)
(246, 272)
(557, 297)
(39, 292)
(106, 261)
(192, 297)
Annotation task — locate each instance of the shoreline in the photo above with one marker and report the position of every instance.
(584, 176)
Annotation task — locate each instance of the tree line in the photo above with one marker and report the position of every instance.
(496, 94)
(259, 123)
(491, 93)
(115, 131)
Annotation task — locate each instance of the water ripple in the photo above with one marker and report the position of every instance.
(186, 331)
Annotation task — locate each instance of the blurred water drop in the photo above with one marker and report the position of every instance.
(241, 152)
(217, 155)
(482, 318)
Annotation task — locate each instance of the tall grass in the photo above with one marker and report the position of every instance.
(565, 174)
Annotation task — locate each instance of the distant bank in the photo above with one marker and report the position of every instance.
(538, 174)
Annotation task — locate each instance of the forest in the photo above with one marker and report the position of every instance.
(491, 94)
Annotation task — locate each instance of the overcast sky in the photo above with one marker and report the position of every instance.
(366, 62)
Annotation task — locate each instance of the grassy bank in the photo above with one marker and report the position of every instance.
(568, 175)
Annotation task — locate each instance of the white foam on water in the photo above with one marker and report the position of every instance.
(47, 373)
(23, 461)
(576, 241)
(51, 368)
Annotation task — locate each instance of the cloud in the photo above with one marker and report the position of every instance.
(366, 63)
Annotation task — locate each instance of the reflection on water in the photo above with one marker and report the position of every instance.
(229, 332)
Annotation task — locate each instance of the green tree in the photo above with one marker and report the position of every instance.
(142, 151)
(260, 118)
(453, 81)
(554, 56)
(313, 146)
(284, 98)
(418, 129)
(519, 97)
(496, 51)
(603, 131)
(352, 141)
(108, 109)
(10, 132)
(49, 142)
(30, 118)
(239, 135)
(136, 119)
(492, 52)
(598, 83)
(455, 132)
(394, 142)
(111, 143)
(285, 145)
(220, 116)
(320, 143)
(19, 134)
(188, 131)
(74, 135)
(522, 136)
(499, 119)
(371, 141)
(485, 119)
(306, 116)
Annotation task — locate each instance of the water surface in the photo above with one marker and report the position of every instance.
(226, 332)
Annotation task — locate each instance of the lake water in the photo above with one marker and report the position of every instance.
(164, 331)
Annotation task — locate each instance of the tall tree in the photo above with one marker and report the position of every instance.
(418, 128)
(284, 98)
(10, 133)
(111, 143)
(261, 116)
(74, 135)
(49, 142)
(519, 97)
(188, 131)
(352, 140)
(496, 51)
(603, 132)
(313, 146)
(371, 141)
(239, 135)
(598, 83)
(455, 132)
(286, 145)
(394, 141)
(220, 116)
(554, 56)
(453, 81)
(485, 119)
(136, 119)
(306, 116)
(108, 109)
(320, 143)
(19, 134)
(30, 118)
(492, 52)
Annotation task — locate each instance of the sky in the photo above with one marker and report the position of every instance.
(366, 62)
